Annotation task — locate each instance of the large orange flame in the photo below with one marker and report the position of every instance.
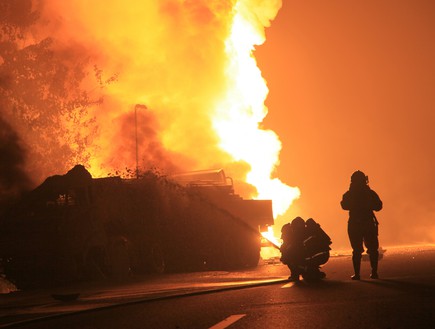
(191, 63)
(240, 113)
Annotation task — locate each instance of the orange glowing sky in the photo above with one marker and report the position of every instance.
(352, 86)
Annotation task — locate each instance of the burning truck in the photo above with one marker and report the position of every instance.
(75, 227)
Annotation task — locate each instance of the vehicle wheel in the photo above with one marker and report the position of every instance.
(243, 252)
(253, 250)
(66, 270)
(231, 257)
(119, 255)
(94, 264)
(157, 263)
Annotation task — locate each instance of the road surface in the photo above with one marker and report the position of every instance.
(403, 297)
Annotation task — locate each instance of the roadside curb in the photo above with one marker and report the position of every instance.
(151, 298)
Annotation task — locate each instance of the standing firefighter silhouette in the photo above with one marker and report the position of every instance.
(305, 247)
(362, 201)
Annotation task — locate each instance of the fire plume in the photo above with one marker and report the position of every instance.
(191, 64)
(242, 110)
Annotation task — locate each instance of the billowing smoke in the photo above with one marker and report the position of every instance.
(171, 85)
(13, 178)
(168, 56)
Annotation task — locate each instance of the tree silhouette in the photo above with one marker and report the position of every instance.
(42, 92)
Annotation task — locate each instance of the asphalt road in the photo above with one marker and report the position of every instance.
(403, 297)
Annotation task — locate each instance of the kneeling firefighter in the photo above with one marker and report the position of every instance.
(316, 249)
(305, 247)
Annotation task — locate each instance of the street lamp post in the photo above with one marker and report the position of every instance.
(136, 107)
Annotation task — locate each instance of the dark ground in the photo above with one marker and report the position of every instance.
(403, 297)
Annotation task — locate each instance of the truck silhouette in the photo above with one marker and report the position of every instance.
(74, 227)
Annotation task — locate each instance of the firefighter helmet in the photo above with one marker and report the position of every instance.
(358, 177)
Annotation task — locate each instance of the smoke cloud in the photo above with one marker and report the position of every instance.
(79, 69)
(13, 178)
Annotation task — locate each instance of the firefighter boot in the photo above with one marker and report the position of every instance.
(356, 260)
(294, 274)
(374, 264)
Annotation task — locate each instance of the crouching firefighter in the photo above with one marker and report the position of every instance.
(317, 247)
(305, 247)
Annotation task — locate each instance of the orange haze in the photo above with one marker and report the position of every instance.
(179, 84)
(352, 87)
